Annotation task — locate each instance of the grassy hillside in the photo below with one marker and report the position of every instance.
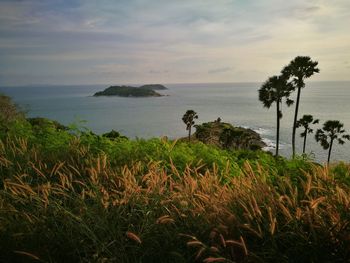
(70, 196)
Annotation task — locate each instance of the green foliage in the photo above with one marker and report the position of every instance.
(42, 123)
(299, 69)
(71, 195)
(305, 122)
(226, 136)
(11, 117)
(341, 172)
(188, 118)
(274, 90)
(8, 110)
(331, 131)
(113, 135)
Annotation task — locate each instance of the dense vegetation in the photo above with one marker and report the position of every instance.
(68, 195)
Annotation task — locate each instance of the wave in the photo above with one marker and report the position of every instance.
(270, 144)
(263, 131)
(266, 138)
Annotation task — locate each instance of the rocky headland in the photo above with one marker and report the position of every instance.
(226, 136)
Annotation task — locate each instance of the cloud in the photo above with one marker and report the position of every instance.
(176, 41)
(152, 71)
(219, 70)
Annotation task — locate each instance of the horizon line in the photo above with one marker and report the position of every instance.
(170, 83)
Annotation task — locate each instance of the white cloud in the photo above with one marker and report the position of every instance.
(175, 41)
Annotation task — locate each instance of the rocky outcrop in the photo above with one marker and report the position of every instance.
(226, 136)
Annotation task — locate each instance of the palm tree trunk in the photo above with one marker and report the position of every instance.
(189, 134)
(329, 152)
(278, 127)
(304, 141)
(295, 120)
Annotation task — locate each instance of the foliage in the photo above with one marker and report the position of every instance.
(188, 118)
(300, 68)
(113, 135)
(305, 122)
(331, 131)
(9, 113)
(274, 90)
(42, 122)
(96, 199)
(68, 195)
(226, 136)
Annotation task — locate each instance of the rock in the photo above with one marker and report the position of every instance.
(226, 136)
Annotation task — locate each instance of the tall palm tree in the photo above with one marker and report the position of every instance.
(330, 132)
(305, 122)
(273, 91)
(188, 119)
(298, 70)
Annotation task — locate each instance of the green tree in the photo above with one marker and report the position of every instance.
(330, 132)
(305, 122)
(298, 70)
(8, 110)
(188, 118)
(273, 91)
(230, 137)
(10, 114)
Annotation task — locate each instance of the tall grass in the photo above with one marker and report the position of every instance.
(91, 199)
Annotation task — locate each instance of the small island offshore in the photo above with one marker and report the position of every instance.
(129, 91)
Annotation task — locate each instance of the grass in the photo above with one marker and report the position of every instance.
(67, 196)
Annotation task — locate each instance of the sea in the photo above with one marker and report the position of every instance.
(235, 103)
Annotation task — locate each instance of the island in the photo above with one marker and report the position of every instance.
(129, 91)
(153, 87)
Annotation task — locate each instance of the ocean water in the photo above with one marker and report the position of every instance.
(236, 103)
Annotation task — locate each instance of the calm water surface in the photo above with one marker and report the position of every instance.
(236, 103)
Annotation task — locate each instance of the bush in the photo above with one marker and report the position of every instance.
(71, 195)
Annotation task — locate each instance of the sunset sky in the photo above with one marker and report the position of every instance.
(169, 41)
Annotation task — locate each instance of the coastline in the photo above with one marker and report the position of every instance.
(155, 117)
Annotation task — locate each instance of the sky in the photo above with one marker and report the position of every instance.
(169, 41)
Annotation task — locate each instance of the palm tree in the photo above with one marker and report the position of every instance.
(331, 131)
(188, 119)
(305, 122)
(273, 91)
(299, 69)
